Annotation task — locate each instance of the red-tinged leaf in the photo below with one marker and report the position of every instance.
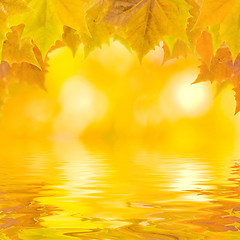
(204, 74)
(204, 47)
(218, 68)
(234, 67)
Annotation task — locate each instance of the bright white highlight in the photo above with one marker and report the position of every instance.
(183, 99)
(81, 104)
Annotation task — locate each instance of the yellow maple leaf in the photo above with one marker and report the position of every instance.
(12, 7)
(230, 30)
(99, 31)
(45, 27)
(21, 72)
(47, 20)
(72, 13)
(42, 24)
(3, 31)
(180, 49)
(17, 49)
(147, 21)
(9, 8)
(213, 12)
(71, 38)
(193, 34)
(226, 13)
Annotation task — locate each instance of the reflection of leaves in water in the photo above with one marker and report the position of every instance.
(131, 232)
(18, 209)
(152, 213)
(225, 214)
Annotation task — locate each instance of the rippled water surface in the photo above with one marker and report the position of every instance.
(122, 190)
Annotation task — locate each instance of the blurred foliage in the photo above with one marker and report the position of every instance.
(111, 95)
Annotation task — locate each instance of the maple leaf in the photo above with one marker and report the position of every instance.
(221, 68)
(218, 70)
(204, 47)
(237, 98)
(235, 67)
(226, 13)
(147, 21)
(23, 72)
(230, 30)
(213, 67)
(180, 49)
(72, 13)
(42, 24)
(12, 7)
(99, 31)
(4, 71)
(235, 79)
(193, 34)
(213, 12)
(210, 27)
(206, 56)
(71, 38)
(204, 74)
(29, 73)
(48, 18)
(9, 8)
(17, 49)
(3, 31)
(214, 31)
(19, 73)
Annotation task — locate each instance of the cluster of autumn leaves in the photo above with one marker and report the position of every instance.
(31, 29)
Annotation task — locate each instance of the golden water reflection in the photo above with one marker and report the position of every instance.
(61, 190)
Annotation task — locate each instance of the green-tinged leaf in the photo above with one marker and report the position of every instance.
(41, 24)
(214, 30)
(170, 41)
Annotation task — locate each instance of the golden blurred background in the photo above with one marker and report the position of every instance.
(111, 95)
